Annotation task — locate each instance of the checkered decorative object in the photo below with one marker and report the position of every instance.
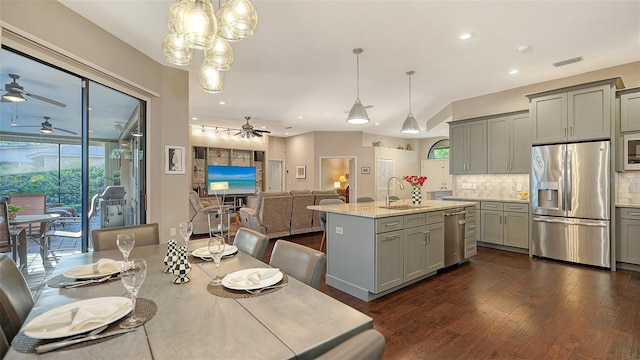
(172, 255)
(182, 267)
(416, 195)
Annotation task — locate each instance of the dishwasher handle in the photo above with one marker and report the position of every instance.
(455, 213)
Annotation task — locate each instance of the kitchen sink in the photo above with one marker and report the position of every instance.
(404, 207)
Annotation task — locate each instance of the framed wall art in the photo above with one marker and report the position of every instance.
(365, 170)
(174, 159)
(301, 172)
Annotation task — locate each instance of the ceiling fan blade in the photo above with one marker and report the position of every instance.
(29, 126)
(42, 98)
(257, 134)
(67, 131)
(263, 131)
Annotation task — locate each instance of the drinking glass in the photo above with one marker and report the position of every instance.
(125, 244)
(133, 273)
(216, 249)
(186, 228)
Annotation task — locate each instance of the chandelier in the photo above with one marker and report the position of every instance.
(193, 25)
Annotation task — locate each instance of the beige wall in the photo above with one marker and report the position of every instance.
(300, 153)
(56, 27)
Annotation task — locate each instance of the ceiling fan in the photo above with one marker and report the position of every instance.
(46, 127)
(248, 132)
(15, 91)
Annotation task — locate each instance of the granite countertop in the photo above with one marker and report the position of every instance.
(486, 198)
(628, 205)
(377, 210)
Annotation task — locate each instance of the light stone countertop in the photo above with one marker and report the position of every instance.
(487, 198)
(628, 205)
(377, 210)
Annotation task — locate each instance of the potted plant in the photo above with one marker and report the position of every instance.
(13, 210)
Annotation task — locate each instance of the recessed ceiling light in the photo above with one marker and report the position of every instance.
(300, 117)
(194, 118)
(222, 103)
(466, 36)
(264, 127)
(513, 71)
(377, 124)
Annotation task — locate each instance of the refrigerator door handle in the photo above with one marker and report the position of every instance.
(569, 181)
(560, 221)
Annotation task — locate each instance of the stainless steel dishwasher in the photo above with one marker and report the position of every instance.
(453, 236)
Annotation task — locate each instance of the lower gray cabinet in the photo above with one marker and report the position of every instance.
(505, 224)
(629, 241)
(435, 246)
(389, 260)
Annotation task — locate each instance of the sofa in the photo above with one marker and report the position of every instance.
(198, 213)
(280, 214)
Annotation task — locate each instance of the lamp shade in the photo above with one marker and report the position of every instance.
(410, 125)
(358, 114)
(342, 179)
(219, 185)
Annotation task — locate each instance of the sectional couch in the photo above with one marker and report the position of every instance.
(279, 214)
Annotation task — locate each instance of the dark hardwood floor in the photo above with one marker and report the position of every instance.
(504, 305)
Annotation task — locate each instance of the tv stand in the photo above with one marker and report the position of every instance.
(234, 202)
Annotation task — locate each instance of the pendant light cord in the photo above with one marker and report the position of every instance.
(410, 72)
(357, 51)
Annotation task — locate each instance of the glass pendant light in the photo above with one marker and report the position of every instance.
(220, 54)
(176, 16)
(358, 114)
(176, 50)
(199, 24)
(211, 80)
(238, 19)
(410, 125)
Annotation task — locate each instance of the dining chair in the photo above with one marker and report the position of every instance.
(365, 199)
(8, 240)
(323, 221)
(32, 204)
(4, 344)
(367, 345)
(16, 300)
(301, 262)
(251, 242)
(105, 239)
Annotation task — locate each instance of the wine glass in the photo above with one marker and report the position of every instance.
(186, 228)
(125, 243)
(216, 249)
(133, 273)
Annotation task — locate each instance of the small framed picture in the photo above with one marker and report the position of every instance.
(174, 161)
(365, 170)
(301, 171)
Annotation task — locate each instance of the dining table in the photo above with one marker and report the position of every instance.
(47, 219)
(192, 322)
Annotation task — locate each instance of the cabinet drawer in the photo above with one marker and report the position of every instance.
(516, 207)
(630, 213)
(470, 228)
(414, 220)
(470, 249)
(470, 211)
(434, 217)
(490, 205)
(389, 224)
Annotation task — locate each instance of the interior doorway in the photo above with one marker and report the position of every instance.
(276, 168)
(339, 173)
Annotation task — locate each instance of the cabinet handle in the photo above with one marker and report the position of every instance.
(389, 237)
(472, 227)
(565, 131)
(500, 219)
(505, 220)
(491, 206)
(570, 130)
(427, 237)
(634, 214)
(506, 165)
(391, 224)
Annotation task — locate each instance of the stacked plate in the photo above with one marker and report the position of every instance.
(203, 252)
(252, 279)
(101, 268)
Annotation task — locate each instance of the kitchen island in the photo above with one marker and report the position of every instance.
(373, 250)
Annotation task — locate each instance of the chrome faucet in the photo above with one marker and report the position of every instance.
(387, 200)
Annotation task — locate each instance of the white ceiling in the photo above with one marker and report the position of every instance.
(300, 62)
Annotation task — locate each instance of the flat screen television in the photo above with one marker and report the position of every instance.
(236, 179)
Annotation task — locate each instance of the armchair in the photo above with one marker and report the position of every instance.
(272, 215)
(198, 213)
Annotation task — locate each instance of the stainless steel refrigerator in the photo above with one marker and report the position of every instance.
(570, 199)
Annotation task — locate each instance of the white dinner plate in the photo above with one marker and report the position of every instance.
(85, 272)
(204, 253)
(106, 309)
(274, 279)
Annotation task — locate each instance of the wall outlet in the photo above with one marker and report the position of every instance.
(339, 230)
(519, 187)
(172, 231)
(474, 186)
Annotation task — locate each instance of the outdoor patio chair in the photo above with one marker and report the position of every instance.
(32, 204)
(11, 240)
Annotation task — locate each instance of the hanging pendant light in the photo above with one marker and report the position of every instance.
(220, 54)
(199, 24)
(176, 50)
(237, 20)
(211, 80)
(358, 114)
(410, 125)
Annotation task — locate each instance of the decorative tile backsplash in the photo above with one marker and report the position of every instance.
(494, 185)
(628, 185)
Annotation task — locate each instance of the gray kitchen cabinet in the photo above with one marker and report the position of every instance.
(505, 224)
(468, 147)
(630, 111)
(509, 144)
(434, 246)
(470, 232)
(437, 173)
(629, 237)
(423, 244)
(573, 114)
(389, 260)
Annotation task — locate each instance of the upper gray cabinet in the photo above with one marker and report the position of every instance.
(630, 111)
(573, 114)
(468, 147)
(509, 144)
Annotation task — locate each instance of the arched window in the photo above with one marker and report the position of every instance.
(439, 150)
